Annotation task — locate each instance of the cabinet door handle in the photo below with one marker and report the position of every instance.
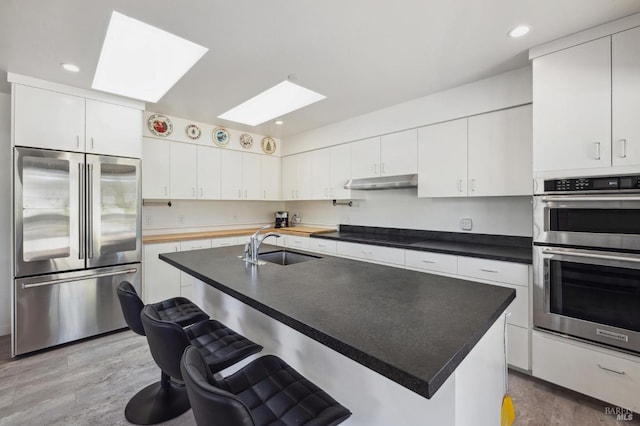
(428, 261)
(382, 168)
(245, 193)
(597, 150)
(489, 270)
(92, 144)
(201, 192)
(239, 193)
(264, 194)
(78, 141)
(623, 148)
(472, 184)
(375, 169)
(366, 251)
(193, 191)
(459, 185)
(321, 245)
(622, 373)
(166, 191)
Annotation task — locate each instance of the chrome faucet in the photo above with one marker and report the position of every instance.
(251, 249)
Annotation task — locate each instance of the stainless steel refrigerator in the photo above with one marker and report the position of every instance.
(77, 235)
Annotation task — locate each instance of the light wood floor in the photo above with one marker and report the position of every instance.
(90, 382)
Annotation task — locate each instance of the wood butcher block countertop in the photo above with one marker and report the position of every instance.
(301, 231)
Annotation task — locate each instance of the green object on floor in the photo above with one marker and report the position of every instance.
(507, 411)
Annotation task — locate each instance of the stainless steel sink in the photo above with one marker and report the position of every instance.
(283, 257)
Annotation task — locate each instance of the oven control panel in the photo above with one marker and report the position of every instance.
(611, 183)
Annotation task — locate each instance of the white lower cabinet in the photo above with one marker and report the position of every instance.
(601, 373)
(186, 280)
(322, 246)
(161, 280)
(428, 261)
(377, 254)
(494, 270)
(293, 241)
(518, 346)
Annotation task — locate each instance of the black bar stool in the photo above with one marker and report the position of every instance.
(153, 403)
(218, 344)
(267, 391)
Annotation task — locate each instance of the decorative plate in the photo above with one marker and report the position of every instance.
(193, 131)
(160, 125)
(246, 140)
(220, 136)
(268, 145)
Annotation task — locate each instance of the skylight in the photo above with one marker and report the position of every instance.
(141, 61)
(274, 102)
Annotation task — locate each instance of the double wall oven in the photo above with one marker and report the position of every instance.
(587, 259)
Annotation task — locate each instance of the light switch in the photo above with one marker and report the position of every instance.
(466, 224)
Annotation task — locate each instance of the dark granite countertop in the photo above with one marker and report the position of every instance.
(496, 247)
(412, 327)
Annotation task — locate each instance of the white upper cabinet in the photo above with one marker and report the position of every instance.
(398, 153)
(572, 108)
(240, 175)
(625, 98)
(499, 152)
(183, 171)
(113, 129)
(297, 176)
(53, 120)
(365, 158)
(251, 175)
(46, 119)
(388, 155)
(271, 177)
(340, 171)
(231, 175)
(321, 174)
(442, 159)
(483, 155)
(208, 170)
(156, 164)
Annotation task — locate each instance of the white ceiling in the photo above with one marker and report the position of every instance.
(362, 54)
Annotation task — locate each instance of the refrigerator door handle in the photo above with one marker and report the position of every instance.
(90, 211)
(80, 211)
(81, 278)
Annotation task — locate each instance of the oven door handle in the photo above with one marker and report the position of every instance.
(590, 255)
(551, 199)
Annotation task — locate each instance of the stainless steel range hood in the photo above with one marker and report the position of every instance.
(383, 182)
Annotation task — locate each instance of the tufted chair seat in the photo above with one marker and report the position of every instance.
(267, 391)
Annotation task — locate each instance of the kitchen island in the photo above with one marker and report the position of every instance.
(394, 346)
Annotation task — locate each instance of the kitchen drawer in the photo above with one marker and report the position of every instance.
(518, 346)
(380, 254)
(223, 242)
(324, 246)
(297, 242)
(428, 261)
(195, 245)
(604, 374)
(494, 270)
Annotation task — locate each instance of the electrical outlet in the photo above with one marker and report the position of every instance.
(466, 224)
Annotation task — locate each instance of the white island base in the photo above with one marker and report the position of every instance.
(471, 396)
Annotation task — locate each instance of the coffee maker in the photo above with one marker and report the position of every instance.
(282, 219)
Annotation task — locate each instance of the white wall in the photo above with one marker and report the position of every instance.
(5, 214)
(402, 208)
(494, 93)
(193, 216)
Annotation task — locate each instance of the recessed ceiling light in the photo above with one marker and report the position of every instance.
(281, 99)
(518, 31)
(141, 61)
(279, 122)
(70, 67)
